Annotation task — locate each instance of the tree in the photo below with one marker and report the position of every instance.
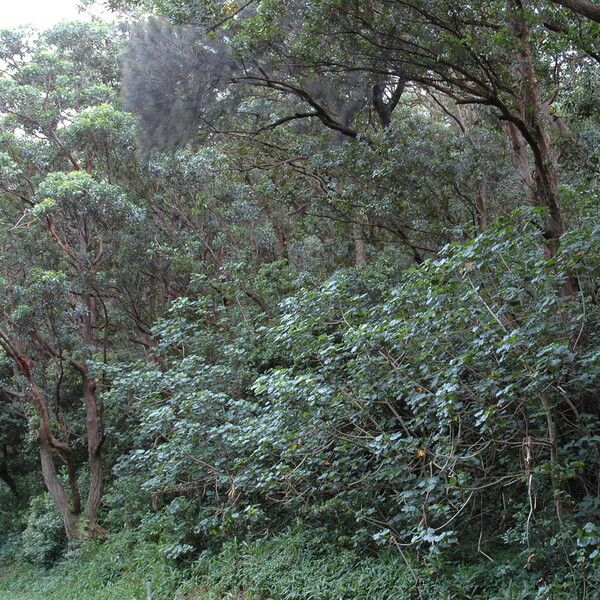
(64, 219)
(495, 56)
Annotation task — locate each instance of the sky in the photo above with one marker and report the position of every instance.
(39, 13)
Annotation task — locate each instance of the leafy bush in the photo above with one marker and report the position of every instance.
(401, 412)
(43, 539)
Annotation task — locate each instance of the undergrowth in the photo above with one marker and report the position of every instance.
(299, 564)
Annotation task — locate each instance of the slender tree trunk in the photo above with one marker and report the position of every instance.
(73, 483)
(532, 127)
(94, 445)
(360, 249)
(93, 419)
(481, 206)
(94, 424)
(481, 216)
(554, 465)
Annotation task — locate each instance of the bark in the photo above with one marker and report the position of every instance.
(94, 455)
(94, 425)
(56, 490)
(48, 445)
(481, 207)
(69, 506)
(553, 445)
(360, 249)
(385, 108)
(530, 122)
(73, 484)
(93, 419)
(481, 216)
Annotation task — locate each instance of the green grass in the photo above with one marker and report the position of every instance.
(115, 571)
(298, 565)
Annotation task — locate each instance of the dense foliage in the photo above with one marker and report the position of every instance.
(301, 300)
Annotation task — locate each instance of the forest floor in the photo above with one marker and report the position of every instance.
(28, 582)
(287, 566)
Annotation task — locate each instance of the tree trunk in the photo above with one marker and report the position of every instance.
(530, 122)
(93, 419)
(481, 206)
(360, 249)
(48, 445)
(56, 489)
(94, 433)
(554, 464)
(384, 107)
(73, 483)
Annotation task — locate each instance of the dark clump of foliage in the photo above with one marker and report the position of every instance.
(300, 300)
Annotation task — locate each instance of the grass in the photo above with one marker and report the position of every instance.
(114, 571)
(297, 565)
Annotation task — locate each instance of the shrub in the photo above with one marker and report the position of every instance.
(43, 539)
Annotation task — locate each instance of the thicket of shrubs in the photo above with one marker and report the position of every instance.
(401, 425)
